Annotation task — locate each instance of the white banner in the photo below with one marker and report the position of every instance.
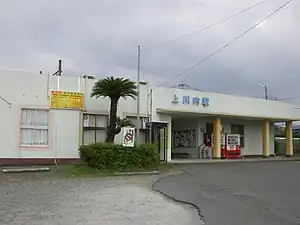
(128, 136)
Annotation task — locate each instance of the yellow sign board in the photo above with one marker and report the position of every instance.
(67, 100)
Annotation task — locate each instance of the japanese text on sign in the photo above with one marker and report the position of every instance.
(67, 100)
(186, 100)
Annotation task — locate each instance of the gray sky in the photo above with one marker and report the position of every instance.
(100, 37)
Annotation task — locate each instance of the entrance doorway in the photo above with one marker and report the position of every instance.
(159, 135)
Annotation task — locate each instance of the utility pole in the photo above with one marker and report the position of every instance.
(138, 97)
(266, 90)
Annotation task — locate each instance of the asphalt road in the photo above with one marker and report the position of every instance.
(39, 199)
(256, 193)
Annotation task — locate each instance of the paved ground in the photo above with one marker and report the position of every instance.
(253, 193)
(37, 199)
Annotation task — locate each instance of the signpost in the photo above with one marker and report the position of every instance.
(128, 136)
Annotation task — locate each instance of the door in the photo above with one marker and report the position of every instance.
(159, 135)
(162, 143)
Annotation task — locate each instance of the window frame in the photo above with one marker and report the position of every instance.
(94, 128)
(35, 127)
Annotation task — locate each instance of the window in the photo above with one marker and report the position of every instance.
(209, 128)
(34, 127)
(94, 128)
(239, 129)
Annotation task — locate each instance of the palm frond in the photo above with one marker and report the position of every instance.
(114, 88)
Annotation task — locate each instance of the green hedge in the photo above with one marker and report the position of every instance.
(276, 147)
(112, 157)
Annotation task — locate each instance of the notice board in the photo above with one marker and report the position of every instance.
(67, 100)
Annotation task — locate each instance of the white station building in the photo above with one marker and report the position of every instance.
(33, 132)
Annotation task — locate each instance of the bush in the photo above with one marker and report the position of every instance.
(112, 157)
(276, 147)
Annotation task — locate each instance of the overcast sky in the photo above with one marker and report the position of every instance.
(100, 37)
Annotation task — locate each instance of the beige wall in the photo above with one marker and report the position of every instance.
(30, 91)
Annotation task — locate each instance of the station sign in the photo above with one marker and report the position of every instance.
(191, 100)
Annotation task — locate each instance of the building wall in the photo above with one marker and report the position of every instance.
(31, 91)
(65, 131)
(221, 104)
(252, 133)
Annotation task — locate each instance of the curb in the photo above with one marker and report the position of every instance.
(21, 170)
(136, 173)
(234, 161)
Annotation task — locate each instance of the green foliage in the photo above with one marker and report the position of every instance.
(122, 123)
(297, 147)
(114, 88)
(295, 135)
(113, 157)
(276, 147)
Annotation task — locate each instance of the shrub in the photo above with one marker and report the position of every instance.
(276, 147)
(106, 156)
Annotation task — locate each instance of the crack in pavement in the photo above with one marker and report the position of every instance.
(202, 220)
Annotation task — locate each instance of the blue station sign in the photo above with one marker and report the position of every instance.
(191, 100)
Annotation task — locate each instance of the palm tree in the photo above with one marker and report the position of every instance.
(114, 88)
(122, 123)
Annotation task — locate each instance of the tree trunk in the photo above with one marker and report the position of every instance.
(110, 133)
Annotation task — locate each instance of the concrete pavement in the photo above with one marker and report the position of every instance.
(38, 199)
(248, 193)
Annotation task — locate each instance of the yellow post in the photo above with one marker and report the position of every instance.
(289, 139)
(217, 139)
(266, 138)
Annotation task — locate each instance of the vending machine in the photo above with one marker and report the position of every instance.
(230, 145)
(233, 146)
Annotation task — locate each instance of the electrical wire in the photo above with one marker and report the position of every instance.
(229, 43)
(206, 27)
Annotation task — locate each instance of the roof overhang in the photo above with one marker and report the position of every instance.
(182, 113)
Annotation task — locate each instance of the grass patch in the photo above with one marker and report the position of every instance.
(81, 170)
(75, 170)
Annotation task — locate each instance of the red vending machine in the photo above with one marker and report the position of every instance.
(233, 146)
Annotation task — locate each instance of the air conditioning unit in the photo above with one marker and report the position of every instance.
(86, 120)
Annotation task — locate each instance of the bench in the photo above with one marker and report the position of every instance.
(181, 155)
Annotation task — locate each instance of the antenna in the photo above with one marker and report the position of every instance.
(185, 86)
(59, 67)
(59, 71)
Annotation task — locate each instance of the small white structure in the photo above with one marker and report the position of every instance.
(128, 137)
(33, 132)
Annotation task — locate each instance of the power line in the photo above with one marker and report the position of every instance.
(206, 27)
(231, 42)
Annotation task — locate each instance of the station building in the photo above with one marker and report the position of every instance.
(33, 131)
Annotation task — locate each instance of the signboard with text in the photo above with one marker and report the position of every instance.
(232, 142)
(67, 100)
(191, 100)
